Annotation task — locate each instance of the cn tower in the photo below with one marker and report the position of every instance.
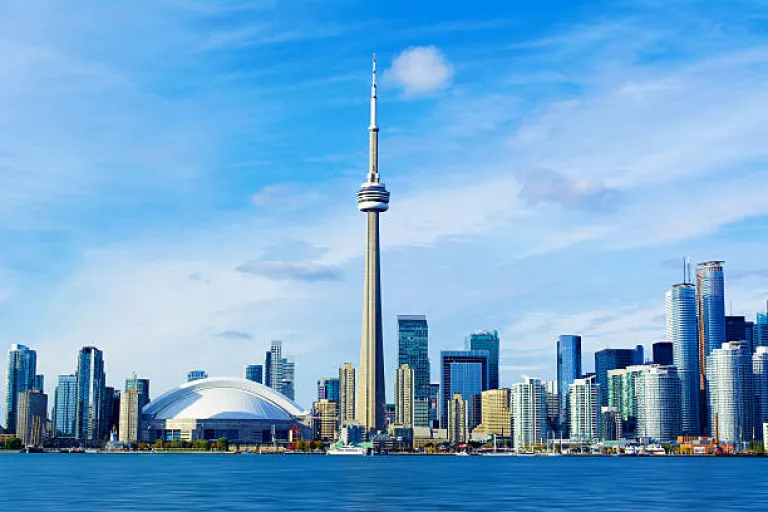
(372, 199)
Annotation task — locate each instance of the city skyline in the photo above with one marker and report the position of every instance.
(197, 197)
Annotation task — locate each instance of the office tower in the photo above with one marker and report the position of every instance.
(489, 341)
(760, 331)
(288, 368)
(22, 367)
(760, 380)
(622, 395)
(613, 359)
(65, 407)
(495, 413)
(141, 386)
(326, 420)
(611, 424)
(529, 413)
(347, 391)
(372, 199)
(404, 396)
(710, 305)
(681, 331)
(434, 405)
(458, 431)
(463, 372)
(32, 416)
(91, 394)
(658, 403)
(130, 414)
(663, 353)
(730, 393)
(272, 365)
(196, 375)
(583, 406)
(568, 370)
(255, 373)
(111, 414)
(736, 329)
(552, 404)
(328, 389)
(413, 350)
(38, 384)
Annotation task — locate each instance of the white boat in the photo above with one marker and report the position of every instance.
(347, 449)
(462, 454)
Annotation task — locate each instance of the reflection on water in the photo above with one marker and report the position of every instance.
(295, 482)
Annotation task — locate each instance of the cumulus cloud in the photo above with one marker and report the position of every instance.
(548, 186)
(421, 70)
(234, 335)
(291, 271)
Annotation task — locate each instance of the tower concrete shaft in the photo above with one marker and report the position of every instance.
(372, 199)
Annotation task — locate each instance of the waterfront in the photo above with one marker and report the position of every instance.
(264, 482)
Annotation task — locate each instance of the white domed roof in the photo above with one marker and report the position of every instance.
(223, 398)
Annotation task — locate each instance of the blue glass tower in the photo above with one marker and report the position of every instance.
(568, 370)
(22, 366)
(65, 406)
(682, 333)
(328, 389)
(461, 371)
(413, 350)
(487, 340)
(140, 385)
(90, 422)
(760, 331)
(614, 359)
(255, 373)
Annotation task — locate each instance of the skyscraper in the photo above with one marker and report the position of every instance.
(273, 365)
(22, 366)
(194, 375)
(568, 370)
(760, 379)
(141, 386)
(413, 350)
(529, 413)
(32, 416)
(730, 393)
(681, 331)
(658, 403)
(552, 403)
(760, 331)
(663, 353)
(613, 359)
(583, 409)
(404, 396)
(347, 391)
(496, 415)
(38, 384)
(372, 199)
(326, 420)
(65, 407)
(464, 373)
(288, 369)
(456, 419)
(710, 304)
(489, 341)
(622, 396)
(434, 405)
(255, 373)
(91, 394)
(328, 389)
(130, 413)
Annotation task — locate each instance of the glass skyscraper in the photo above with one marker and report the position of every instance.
(710, 304)
(760, 331)
(614, 359)
(22, 367)
(328, 389)
(663, 353)
(65, 406)
(142, 387)
(489, 341)
(658, 403)
(413, 350)
(730, 393)
(568, 370)
(255, 373)
(760, 378)
(90, 422)
(462, 372)
(681, 331)
(583, 409)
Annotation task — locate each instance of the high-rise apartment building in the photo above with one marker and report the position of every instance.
(496, 415)
(663, 353)
(404, 396)
(22, 367)
(738, 329)
(347, 391)
(194, 375)
(130, 415)
(583, 404)
(568, 370)
(760, 331)
(434, 405)
(552, 404)
(710, 305)
(413, 350)
(457, 420)
(372, 199)
(681, 331)
(255, 373)
(730, 393)
(614, 359)
(622, 395)
(288, 368)
(32, 417)
(760, 383)
(90, 422)
(463, 372)
(141, 386)
(326, 420)
(273, 366)
(658, 403)
(529, 413)
(38, 384)
(328, 389)
(488, 341)
(65, 407)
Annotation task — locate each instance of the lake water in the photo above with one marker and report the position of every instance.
(38, 482)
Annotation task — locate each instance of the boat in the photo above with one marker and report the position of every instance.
(348, 449)
(462, 454)
(656, 449)
(504, 452)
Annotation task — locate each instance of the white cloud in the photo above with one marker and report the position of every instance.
(421, 70)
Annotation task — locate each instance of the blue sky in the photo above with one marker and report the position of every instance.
(178, 178)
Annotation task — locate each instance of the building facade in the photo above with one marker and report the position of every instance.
(347, 391)
(663, 353)
(413, 350)
(730, 393)
(194, 375)
(65, 407)
(90, 423)
(658, 403)
(328, 389)
(32, 417)
(488, 341)
(614, 359)
(463, 372)
(583, 403)
(22, 368)
(141, 386)
(760, 380)
(682, 332)
(457, 419)
(404, 396)
(255, 373)
(710, 306)
(326, 420)
(130, 413)
(529, 413)
(496, 415)
(568, 370)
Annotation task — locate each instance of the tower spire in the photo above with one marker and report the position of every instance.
(373, 129)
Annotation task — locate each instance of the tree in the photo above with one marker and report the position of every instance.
(320, 445)
(222, 444)
(14, 443)
(158, 444)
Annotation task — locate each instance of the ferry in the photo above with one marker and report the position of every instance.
(348, 449)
